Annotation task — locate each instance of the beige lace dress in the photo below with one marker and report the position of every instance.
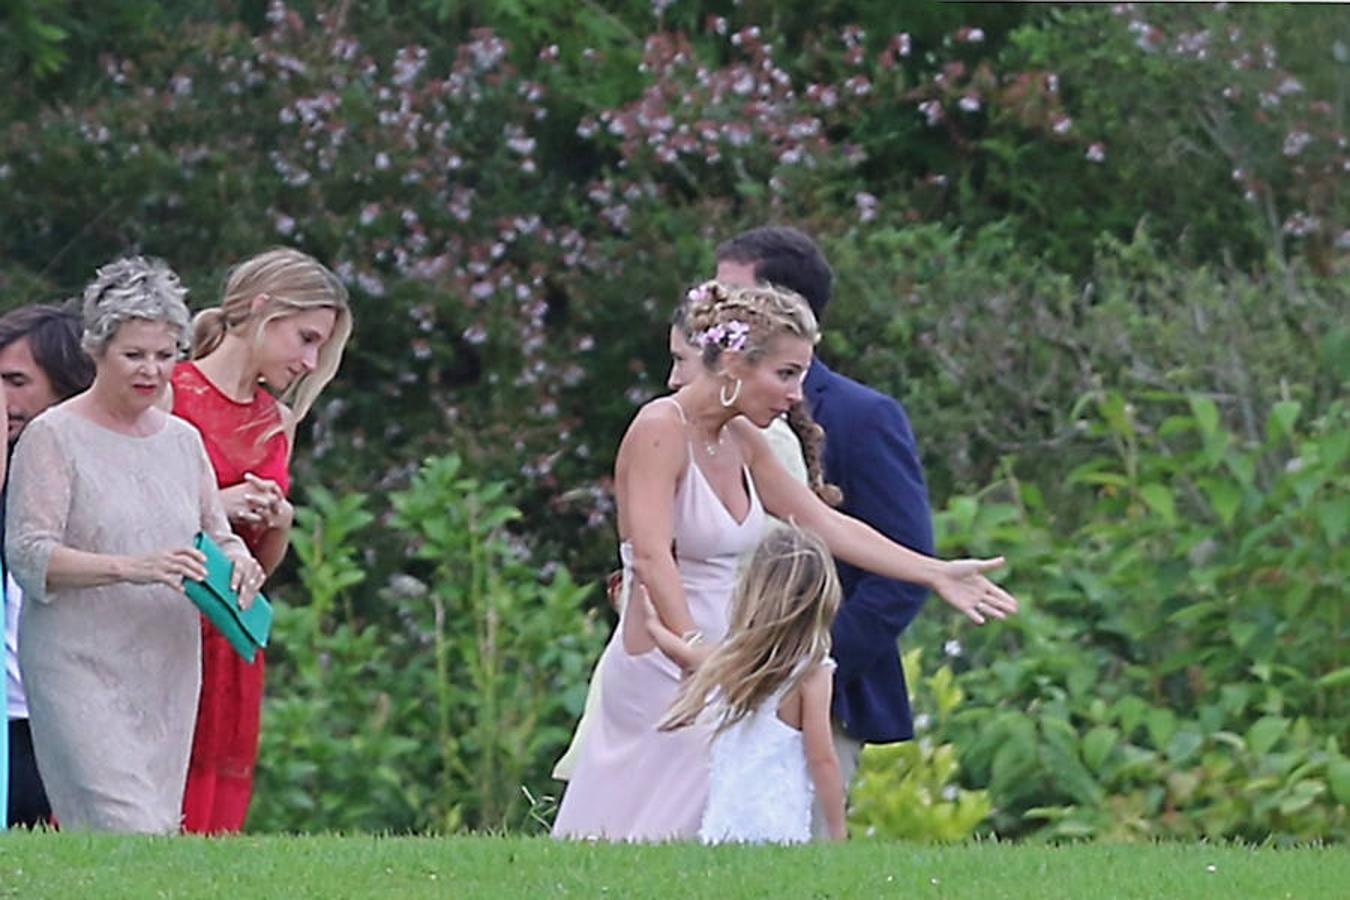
(112, 672)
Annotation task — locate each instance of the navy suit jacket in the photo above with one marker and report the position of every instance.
(871, 455)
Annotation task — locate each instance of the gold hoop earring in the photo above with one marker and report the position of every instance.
(722, 394)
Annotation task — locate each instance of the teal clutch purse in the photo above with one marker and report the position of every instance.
(247, 630)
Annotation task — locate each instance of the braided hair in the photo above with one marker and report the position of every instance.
(717, 318)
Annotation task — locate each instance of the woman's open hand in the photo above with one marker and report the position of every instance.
(962, 584)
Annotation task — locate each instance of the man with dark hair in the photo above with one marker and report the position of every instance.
(870, 454)
(41, 363)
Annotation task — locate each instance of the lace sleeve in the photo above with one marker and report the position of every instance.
(40, 487)
(214, 521)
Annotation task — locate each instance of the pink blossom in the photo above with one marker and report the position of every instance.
(867, 206)
(932, 111)
(1096, 152)
(1300, 224)
(1296, 142)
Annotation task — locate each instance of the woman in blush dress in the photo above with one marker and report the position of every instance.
(794, 438)
(107, 494)
(694, 471)
(280, 330)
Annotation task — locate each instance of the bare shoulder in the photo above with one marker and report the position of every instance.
(820, 680)
(658, 424)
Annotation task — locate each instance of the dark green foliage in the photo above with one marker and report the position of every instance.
(1181, 668)
(433, 708)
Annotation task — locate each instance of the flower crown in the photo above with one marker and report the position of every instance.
(732, 335)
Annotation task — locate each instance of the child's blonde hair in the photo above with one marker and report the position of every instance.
(781, 614)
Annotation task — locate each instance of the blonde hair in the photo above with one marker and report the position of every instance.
(768, 311)
(291, 282)
(764, 311)
(781, 614)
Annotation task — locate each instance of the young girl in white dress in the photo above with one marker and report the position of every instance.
(767, 690)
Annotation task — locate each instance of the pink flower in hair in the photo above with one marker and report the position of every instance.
(700, 294)
(737, 333)
(731, 335)
(711, 335)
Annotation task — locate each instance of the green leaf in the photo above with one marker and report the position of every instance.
(1302, 796)
(1334, 516)
(1242, 633)
(1184, 745)
(963, 511)
(1206, 413)
(1338, 776)
(1174, 425)
(1242, 467)
(1224, 497)
(1161, 724)
(1160, 500)
(1114, 479)
(1116, 413)
(1282, 418)
(1097, 746)
(1334, 679)
(1195, 612)
(1266, 733)
(1130, 711)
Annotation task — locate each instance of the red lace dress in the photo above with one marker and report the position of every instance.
(225, 744)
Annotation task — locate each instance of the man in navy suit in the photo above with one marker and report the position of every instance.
(871, 456)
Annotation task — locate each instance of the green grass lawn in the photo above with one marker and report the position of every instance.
(78, 866)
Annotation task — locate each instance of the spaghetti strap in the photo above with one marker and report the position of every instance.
(688, 441)
(678, 407)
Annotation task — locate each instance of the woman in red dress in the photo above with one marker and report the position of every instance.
(260, 360)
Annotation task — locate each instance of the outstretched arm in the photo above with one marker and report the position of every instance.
(961, 583)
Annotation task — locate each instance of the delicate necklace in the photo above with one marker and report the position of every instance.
(711, 447)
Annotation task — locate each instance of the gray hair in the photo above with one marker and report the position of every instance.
(133, 288)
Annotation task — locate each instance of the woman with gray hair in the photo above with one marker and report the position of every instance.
(106, 496)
